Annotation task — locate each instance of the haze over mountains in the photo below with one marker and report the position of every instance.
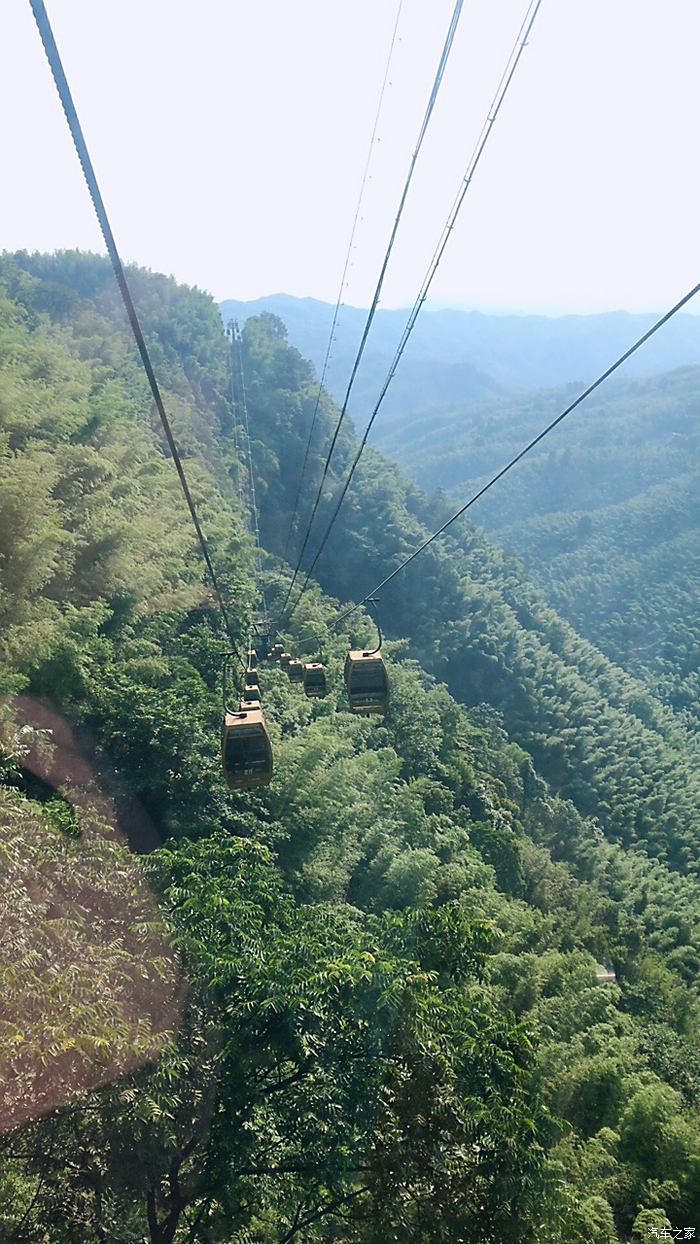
(453, 355)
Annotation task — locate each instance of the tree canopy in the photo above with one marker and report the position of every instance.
(365, 1002)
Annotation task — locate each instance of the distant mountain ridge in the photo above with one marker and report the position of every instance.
(453, 354)
(606, 518)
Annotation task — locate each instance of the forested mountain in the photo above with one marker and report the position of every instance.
(604, 514)
(454, 356)
(360, 1004)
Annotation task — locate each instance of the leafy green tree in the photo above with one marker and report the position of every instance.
(318, 1066)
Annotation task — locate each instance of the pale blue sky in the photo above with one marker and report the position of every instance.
(230, 138)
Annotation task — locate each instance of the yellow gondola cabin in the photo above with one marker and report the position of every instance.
(366, 682)
(315, 683)
(246, 750)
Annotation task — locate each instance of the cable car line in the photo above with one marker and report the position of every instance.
(237, 354)
(236, 342)
(491, 118)
(341, 290)
(375, 300)
(518, 457)
(59, 77)
(237, 431)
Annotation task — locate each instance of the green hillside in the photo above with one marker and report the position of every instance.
(478, 623)
(360, 1004)
(604, 514)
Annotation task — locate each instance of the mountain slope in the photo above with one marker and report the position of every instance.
(391, 1027)
(476, 621)
(604, 514)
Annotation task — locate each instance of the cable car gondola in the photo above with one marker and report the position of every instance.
(366, 682)
(366, 679)
(250, 697)
(285, 658)
(246, 750)
(295, 670)
(315, 685)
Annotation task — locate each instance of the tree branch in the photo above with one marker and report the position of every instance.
(297, 1217)
(299, 1169)
(283, 1084)
(198, 1218)
(27, 1211)
(153, 1227)
(35, 1198)
(331, 1208)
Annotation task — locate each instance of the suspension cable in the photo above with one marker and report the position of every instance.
(452, 30)
(492, 115)
(331, 335)
(237, 355)
(518, 457)
(59, 77)
(237, 432)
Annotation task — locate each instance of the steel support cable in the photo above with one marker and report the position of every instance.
(241, 438)
(492, 115)
(237, 340)
(518, 457)
(341, 290)
(237, 435)
(59, 77)
(375, 300)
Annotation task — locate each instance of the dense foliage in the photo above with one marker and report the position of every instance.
(604, 515)
(595, 733)
(361, 1004)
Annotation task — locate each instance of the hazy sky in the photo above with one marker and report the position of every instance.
(230, 138)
